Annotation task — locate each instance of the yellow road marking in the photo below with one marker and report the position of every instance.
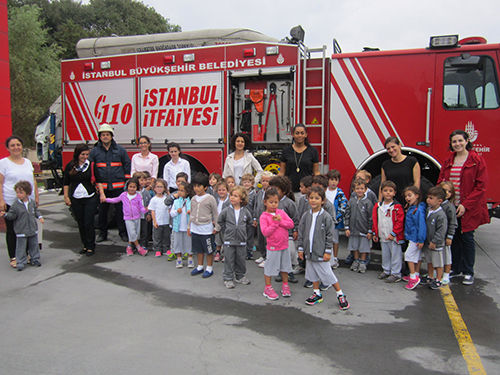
(465, 343)
(50, 204)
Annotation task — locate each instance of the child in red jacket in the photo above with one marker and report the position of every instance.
(388, 227)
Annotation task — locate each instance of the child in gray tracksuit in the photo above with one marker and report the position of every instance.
(451, 215)
(358, 221)
(24, 213)
(315, 243)
(234, 223)
(437, 227)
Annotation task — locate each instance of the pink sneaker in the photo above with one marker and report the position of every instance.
(406, 278)
(269, 293)
(142, 251)
(285, 290)
(129, 251)
(158, 254)
(412, 283)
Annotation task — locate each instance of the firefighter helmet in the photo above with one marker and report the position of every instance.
(106, 128)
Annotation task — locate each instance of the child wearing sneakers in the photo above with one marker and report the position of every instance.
(161, 218)
(315, 243)
(222, 199)
(275, 224)
(201, 225)
(259, 208)
(415, 234)
(147, 194)
(132, 210)
(181, 208)
(180, 178)
(283, 185)
(248, 181)
(234, 223)
(358, 225)
(388, 228)
(24, 213)
(437, 227)
(337, 197)
(451, 215)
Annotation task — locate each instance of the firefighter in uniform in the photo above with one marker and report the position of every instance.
(112, 169)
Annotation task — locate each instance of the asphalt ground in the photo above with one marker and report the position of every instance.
(112, 314)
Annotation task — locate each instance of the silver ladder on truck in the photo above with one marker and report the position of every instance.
(313, 98)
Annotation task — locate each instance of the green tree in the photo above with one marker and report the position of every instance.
(68, 21)
(34, 70)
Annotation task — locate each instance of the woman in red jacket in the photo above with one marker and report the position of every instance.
(466, 169)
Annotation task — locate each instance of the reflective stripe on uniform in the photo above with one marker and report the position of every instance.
(101, 165)
(115, 164)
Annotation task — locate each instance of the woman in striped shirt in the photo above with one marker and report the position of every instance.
(466, 169)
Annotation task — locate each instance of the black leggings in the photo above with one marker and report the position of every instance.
(84, 210)
(10, 236)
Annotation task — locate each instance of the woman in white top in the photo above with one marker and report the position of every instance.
(144, 161)
(175, 166)
(241, 161)
(14, 168)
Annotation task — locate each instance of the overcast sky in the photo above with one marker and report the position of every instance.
(386, 24)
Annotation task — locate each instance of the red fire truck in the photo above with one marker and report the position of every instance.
(350, 102)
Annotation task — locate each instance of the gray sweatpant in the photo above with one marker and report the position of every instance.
(392, 258)
(234, 262)
(161, 238)
(31, 245)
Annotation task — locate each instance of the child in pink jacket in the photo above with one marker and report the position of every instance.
(274, 224)
(132, 210)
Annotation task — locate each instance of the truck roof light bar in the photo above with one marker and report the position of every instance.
(188, 57)
(168, 59)
(249, 52)
(88, 66)
(443, 41)
(273, 50)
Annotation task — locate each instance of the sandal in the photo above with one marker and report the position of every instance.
(90, 253)
(83, 251)
(13, 262)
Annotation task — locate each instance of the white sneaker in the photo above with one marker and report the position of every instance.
(229, 284)
(243, 281)
(298, 270)
(259, 260)
(262, 264)
(334, 263)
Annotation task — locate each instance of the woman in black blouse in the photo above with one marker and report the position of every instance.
(80, 195)
(401, 169)
(300, 159)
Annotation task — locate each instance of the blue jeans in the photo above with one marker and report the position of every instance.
(463, 251)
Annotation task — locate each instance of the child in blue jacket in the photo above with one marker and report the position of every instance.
(415, 233)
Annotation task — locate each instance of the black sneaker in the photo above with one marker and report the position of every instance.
(308, 284)
(344, 305)
(36, 263)
(435, 284)
(425, 280)
(278, 279)
(314, 299)
(292, 279)
(324, 287)
(454, 274)
(468, 280)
